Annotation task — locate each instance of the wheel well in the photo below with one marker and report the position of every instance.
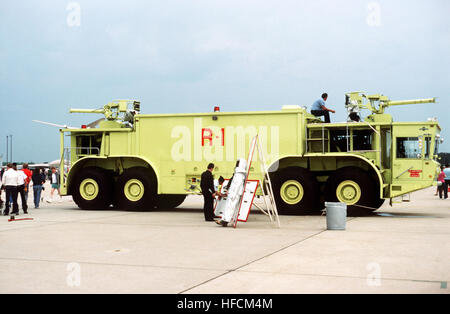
(323, 166)
(113, 165)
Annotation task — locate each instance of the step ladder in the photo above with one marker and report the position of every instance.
(266, 188)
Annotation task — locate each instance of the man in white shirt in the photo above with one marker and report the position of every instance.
(11, 181)
(22, 177)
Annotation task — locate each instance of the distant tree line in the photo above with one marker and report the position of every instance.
(445, 158)
(19, 162)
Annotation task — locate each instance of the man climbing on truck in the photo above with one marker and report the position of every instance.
(318, 108)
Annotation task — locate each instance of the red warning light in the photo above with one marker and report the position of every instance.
(216, 109)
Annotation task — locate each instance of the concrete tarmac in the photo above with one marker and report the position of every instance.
(400, 249)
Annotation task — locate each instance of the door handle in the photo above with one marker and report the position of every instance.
(404, 172)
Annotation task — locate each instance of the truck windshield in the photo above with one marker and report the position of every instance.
(436, 145)
(408, 147)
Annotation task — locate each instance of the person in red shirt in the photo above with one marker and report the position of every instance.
(28, 173)
(441, 183)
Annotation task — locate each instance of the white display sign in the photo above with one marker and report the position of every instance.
(245, 203)
(247, 200)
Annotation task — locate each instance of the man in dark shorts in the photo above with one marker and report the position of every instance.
(318, 108)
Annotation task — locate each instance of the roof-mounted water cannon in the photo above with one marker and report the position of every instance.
(117, 110)
(377, 103)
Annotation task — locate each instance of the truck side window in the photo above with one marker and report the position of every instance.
(408, 147)
(362, 139)
(386, 142)
(427, 147)
(88, 144)
(338, 141)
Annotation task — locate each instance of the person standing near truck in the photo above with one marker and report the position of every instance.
(11, 181)
(21, 190)
(209, 193)
(54, 181)
(38, 179)
(318, 108)
(447, 180)
(1, 189)
(28, 173)
(441, 183)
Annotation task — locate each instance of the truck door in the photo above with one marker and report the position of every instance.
(408, 159)
(428, 164)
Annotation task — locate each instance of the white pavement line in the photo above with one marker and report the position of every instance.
(253, 261)
(341, 276)
(106, 264)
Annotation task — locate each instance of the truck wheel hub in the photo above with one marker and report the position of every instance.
(134, 190)
(291, 192)
(348, 192)
(89, 189)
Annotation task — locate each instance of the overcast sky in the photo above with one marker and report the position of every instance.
(187, 56)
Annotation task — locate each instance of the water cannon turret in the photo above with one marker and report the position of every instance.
(355, 101)
(118, 110)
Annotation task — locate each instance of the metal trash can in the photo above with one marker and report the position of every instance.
(336, 215)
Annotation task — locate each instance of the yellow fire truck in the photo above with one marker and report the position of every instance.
(142, 161)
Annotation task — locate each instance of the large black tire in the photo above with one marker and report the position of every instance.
(378, 203)
(355, 187)
(93, 189)
(136, 189)
(296, 191)
(169, 200)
